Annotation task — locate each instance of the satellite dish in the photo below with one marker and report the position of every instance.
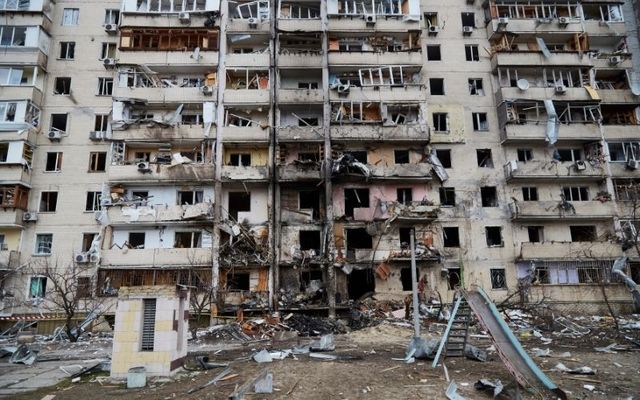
(522, 84)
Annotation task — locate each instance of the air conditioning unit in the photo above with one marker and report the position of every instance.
(94, 258)
(111, 28)
(207, 90)
(184, 17)
(563, 21)
(581, 165)
(94, 135)
(30, 217)
(109, 62)
(633, 164)
(81, 258)
(253, 22)
(503, 21)
(467, 30)
(143, 166)
(54, 135)
(433, 30)
(561, 89)
(343, 89)
(370, 19)
(615, 60)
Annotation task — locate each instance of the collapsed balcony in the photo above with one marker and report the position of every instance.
(247, 86)
(246, 124)
(614, 86)
(242, 245)
(384, 83)
(300, 162)
(246, 288)
(376, 49)
(302, 122)
(295, 16)
(297, 50)
(568, 250)
(154, 214)
(110, 280)
(302, 246)
(302, 203)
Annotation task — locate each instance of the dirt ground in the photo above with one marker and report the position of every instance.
(373, 374)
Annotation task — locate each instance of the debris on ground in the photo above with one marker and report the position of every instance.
(575, 371)
(495, 386)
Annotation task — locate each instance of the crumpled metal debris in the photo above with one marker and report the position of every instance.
(326, 343)
(23, 355)
(495, 387)
(347, 164)
(584, 370)
(452, 393)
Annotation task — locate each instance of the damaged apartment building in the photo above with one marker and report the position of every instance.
(284, 154)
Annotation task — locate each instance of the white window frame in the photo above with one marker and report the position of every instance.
(66, 55)
(18, 5)
(105, 86)
(70, 16)
(5, 106)
(13, 35)
(40, 244)
(111, 16)
(482, 126)
(97, 201)
(579, 196)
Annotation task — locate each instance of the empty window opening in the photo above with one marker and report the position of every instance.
(406, 279)
(575, 193)
(4, 152)
(476, 87)
(440, 122)
(583, 233)
(358, 238)
(568, 155)
(62, 86)
(494, 236)
(97, 161)
(190, 197)
(310, 200)
(108, 50)
(54, 162)
(187, 240)
(525, 155)
(433, 52)
(67, 50)
(484, 157)
(360, 282)
(101, 123)
(240, 159)
(498, 278)
(453, 278)
(308, 121)
(87, 241)
(59, 122)
(148, 335)
(489, 195)
(238, 281)
(445, 157)
(471, 52)
(360, 156)
(536, 234)
(93, 201)
(105, 86)
(447, 196)
(468, 19)
(401, 156)
(436, 86)
(404, 195)
(136, 240)
(451, 236)
(480, 122)
(310, 240)
(48, 201)
(355, 198)
(404, 234)
(529, 193)
(238, 202)
(309, 156)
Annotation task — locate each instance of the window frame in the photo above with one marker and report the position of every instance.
(39, 244)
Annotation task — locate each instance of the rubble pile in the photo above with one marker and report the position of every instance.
(370, 312)
(307, 325)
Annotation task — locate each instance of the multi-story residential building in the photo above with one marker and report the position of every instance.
(284, 154)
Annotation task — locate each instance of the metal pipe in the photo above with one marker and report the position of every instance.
(414, 286)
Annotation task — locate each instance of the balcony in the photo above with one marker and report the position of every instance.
(151, 215)
(337, 58)
(251, 173)
(536, 59)
(617, 96)
(357, 23)
(569, 250)
(11, 217)
(167, 59)
(300, 133)
(31, 93)
(404, 172)
(247, 96)
(242, 134)
(242, 25)
(299, 172)
(406, 93)
(532, 27)
(299, 25)
(248, 60)
(621, 132)
(9, 259)
(150, 258)
(599, 28)
(151, 133)
(296, 60)
(14, 173)
(553, 170)
(162, 20)
(550, 210)
(166, 95)
(300, 96)
(161, 173)
(620, 170)
(29, 135)
(398, 133)
(29, 18)
(24, 56)
(538, 93)
(566, 132)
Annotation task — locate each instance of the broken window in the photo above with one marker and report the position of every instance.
(87, 241)
(404, 195)
(48, 201)
(433, 52)
(624, 151)
(13, 36)
(536, 234)
(525, 155)
(187, 240)
(568, 155)
(454, 278)
(169, 39)
(190, 197)
(108, 50)
(494, 236)
(447, 196)
(529, 193)
(307, 276)
(406, 278)
(240, 159)
(44, 242)
(93, 201)
(431, 19)
(358, 238)
(484, 158)
(62, 86)
(105, 86)
(8, 111)
(451, 236)
(489, 195)
(97, 161)
(19, 5)
(59, 122)
(498, 278)
(310, 240)
(360, 282)
(476, 87)
(445, 157)
(480, 122)
(471, 52)
(238, 202)
(583, 233)
(441, 122)
(253, 9)
(575, 193)
(293, 10)
(626, 189)
(238, 281)
(310, 200)
(468, 19)
(436, 86)
(4, 152)
(355, 198)
(356, 112)
(247, 79)
(401, 156)
(37, 287)
(404, 234)
(147, 337)
(83, 289)
(67, 50)
(101, 122)
(54, 162)
(70, 16)
(136, 240)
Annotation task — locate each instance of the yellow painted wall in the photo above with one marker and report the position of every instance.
(259, 157)
(12, 238)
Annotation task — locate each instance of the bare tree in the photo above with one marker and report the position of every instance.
(201, 299)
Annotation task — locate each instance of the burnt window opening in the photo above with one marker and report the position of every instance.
(406, 279)
(451, 236)
(87, 241)
(525, 155)
(433, 52)
(441, 122)
(489, 195)
(447, 196)
(498, 278)
(310, 240)
(485, 160)
(494, 236)
(453, 278)
(309, 122)
(401, 156)
(136, 240)
(309, 156)
(238, 202)
(634, 271)
(48, 201)
(355, 198)
(360, 156)
(536, 234)
(187, 240)
(404, 195)
(240, 159)
(436, 86)
(238, 281)
(404, 234)
(59, 122)
(54, 162)
(445, 157)
(310, 200)
(468, 19)
(62, 86)
(307, 276)
(530, 193)
(358, 238)
(575, 193)
(583, 233)
(360, 282)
